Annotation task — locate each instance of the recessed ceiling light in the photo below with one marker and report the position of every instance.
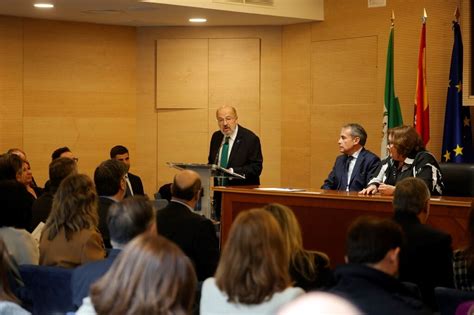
(197, 20)
(44, 5)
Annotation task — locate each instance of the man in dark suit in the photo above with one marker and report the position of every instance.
(134, 183)
(125, 220)
(193, 233)
(353, 169)
(244, 152)
(426, 257)
(109, 179)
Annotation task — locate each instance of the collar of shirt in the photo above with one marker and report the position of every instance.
(110, 197)
(182, 202)
(355, 155)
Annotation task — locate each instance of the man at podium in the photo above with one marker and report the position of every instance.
(236, 148)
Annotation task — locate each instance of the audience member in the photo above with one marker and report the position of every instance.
(20, 243)
(9, 304)
(134, 183)
(70, 237)
(408, 158)
(252, 276)
(195, 234)
(150, 276)
(126, 219)
(109, 179)
(309, 270)
(355, 166)
(463, 260)
(59, 169)
(25, 176)
(32, 185)
(63, 152)
(426, 256)
(369, 279)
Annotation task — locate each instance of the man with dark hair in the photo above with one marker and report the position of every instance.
(195, 234)
(134, 183)
(125, 220)
(109, 179)
(59, 169)
(369, 278)
(426, 257)
(63, 152)
(354, 167)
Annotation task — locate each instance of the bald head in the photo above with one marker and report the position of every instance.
(186, 185)
(227, 109)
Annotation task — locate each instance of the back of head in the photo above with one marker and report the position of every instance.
(59, 169)
(256, 242)
(357, 131)
(129, 218)
(57, 153)
(14, 201)
(411, 195)
(406, 140)
(370, 238)
(186, 185)
(151, 276)
(10, 166)
(108, 176)
(74, 207)
(118, 149)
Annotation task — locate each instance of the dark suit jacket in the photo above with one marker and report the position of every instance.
(42, 207)
(137, 185)
(365, 166)
(193, 233)
(245, 158)
(84, 276)
(426, 257)
(104, 205)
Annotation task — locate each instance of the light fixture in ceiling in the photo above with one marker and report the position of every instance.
(197, 20)
(44, 5)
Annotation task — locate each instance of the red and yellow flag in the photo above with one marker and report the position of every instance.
(422, 107)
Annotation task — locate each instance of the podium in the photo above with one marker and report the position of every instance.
(207, 172)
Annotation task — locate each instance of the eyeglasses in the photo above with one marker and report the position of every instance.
(226, 119)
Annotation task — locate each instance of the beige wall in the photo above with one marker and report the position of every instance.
(346, 55)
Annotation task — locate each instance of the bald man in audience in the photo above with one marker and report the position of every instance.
(195, 234)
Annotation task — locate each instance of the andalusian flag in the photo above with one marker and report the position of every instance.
(422, 108)
(392, 116)
(457, 139)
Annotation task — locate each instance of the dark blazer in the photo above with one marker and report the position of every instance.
(193, 233)
(84, 276)
(42, 207)
(365, 166)
(245, 158)
(137, 185)
(104, 205)
(426, 257)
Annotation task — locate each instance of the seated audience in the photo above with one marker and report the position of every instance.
(126, 219)
(109, 179)
(252, 276)
(426, 256)
(151, 276)
(408, 158)
(369, 279)
(19, 242)
(32, 186)
(193, 233)
(70, 237)
(58, 170)
(134, 182)
(309, 270)
(9, 304)
(463, 260)
(63, 152)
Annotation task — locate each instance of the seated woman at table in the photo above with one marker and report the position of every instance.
(408, 158)
(310, 270)
(252, 276)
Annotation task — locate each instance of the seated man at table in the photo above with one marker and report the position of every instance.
(354, 167)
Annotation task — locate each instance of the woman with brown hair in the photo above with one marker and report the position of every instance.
(252, 276)
(151, 276)
(70, 237)
(309, 270)
(408, 158)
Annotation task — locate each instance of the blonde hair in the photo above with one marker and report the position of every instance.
(300, 259)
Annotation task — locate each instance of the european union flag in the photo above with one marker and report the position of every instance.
(457, 138)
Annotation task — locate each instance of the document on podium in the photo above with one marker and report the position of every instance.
(280, 189)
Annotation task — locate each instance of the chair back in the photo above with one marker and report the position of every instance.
(458, 179)
(449, 299)
(47, 290)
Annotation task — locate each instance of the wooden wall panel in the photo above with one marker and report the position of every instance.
(182, 73)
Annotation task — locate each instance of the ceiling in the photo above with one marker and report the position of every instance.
(135, 13)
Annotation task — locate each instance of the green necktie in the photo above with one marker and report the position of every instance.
(225, 153)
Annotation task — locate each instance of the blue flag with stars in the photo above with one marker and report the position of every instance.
(457, 138)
